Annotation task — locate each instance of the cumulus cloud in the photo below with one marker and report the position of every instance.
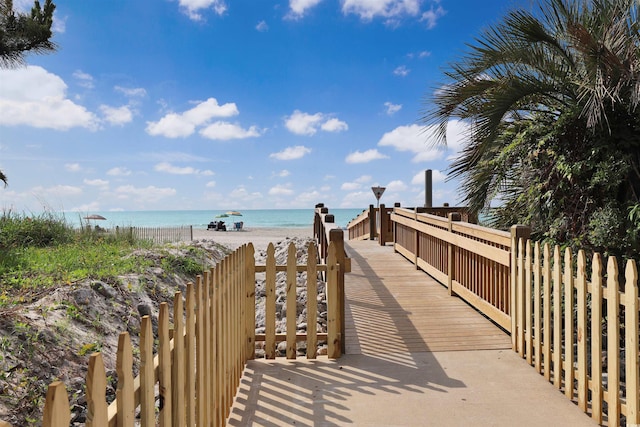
(117, 115)
(193, 8)
(401, 71)
(297, 8)
(210, 184)
(411, 138)
(225, 131)
(32, 96)
(369, 9)
(262, 26)
(392, 108)
(396, 185)
(176, 125)
(281, 190)
(365, 156)
(301, 123)
(431, 16)
(356, 184)
(176, 170)
(119, 171)
(96, 182)
(436, 176)
(291, 153)
(58, 190)
(282, 174)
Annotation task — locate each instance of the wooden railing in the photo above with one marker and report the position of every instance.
(472, 261)
(579, 328)
(371, 224)
(157, 234)
(199, 363)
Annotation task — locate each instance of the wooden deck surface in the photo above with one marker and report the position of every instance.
(392, 307)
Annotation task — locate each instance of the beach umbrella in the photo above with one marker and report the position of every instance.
(234, 213)
(100, 217)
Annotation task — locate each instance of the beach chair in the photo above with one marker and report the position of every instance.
(237, 226)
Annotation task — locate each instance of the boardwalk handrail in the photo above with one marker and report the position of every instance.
(198, 369)
(583, 311)
(472, 261)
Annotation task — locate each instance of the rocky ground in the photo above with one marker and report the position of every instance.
(51, 337)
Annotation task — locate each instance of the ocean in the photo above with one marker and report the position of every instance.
(257, 218)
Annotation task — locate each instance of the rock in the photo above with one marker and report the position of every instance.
(104, 289)
(282, 348)
(144, 310)
(83, 296)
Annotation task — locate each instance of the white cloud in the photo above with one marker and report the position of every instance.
(302, 123)
(144, 194)
(350, 186)
(369, 9)
(210, 184)
(119, 171)
(436, 176)
(401, 71)
(175, 125)
(392, 108)
(281, 190)
(262, 26)
(225, 131)
(297, 8)
(96, 182)
(192, 8)
(84, 80)
(334, 125)
(117, 115)
(365, 156)
(58, 190)
(176, 170)
(32, 96)
(73, 167)
(283, 173)
(396, 185)
(432, 15)
(364, 179)
(411, 138)
(132, 92)
(424, 54)
(291, 153)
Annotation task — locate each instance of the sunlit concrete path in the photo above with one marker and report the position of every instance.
(415, 357)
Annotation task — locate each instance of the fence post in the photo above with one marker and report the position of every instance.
(451, 263)
(336, 236)
(517, 232)
(382, 237)
(372, 223)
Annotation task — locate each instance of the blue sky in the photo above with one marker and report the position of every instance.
(233, 104)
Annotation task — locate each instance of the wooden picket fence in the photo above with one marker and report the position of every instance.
(200, 361)
(157, 234)
(567, 319)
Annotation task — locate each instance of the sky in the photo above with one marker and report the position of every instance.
(234, 104)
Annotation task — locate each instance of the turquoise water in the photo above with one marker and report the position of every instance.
(263, 218)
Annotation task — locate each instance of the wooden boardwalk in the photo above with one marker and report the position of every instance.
(392, 307)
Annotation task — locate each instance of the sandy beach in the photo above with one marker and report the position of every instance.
(260, 237)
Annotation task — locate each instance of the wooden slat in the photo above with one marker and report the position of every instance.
(291, 302)
(164, 354)
(56, 406)
(631, 343)
(270, 304)
(147, 381)
(581, 304)
(613, 340)
(332, 304)
(557, 318)
(178, 374)
(596, 339)
(124, 391)
(537, 309)
(190, 353)
(312, 301)
(527, 306)
(96, 392)
(568, 323)
(251, 301)
(548, 339)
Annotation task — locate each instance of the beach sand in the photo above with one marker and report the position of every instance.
(260, 237)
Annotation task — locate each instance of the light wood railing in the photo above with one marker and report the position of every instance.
(200, 361)
(578, 326)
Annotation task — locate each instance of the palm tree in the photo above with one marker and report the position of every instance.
(550, 96)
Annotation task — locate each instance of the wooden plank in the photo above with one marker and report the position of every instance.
(548, 339)
(251, 301)
(123, 410)
(631, 343)
(537, 309)
(96, 392)
(613, 340)
(527, 304)
(596, 338)
(557, 318)
(178, 371)
(190, 393)
(270, 304)
(312, 301)
(164, 355)
(206, 348)
(291, 302)
(282, 268)
(56, 406)
(332, 305)
(581, 304)
(147, 381)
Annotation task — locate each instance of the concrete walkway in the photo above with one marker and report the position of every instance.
(402, 368)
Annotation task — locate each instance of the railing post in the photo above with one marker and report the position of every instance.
(382, 237)
(451, 262)
(372, 222)
(336, 236)
(518, 232)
